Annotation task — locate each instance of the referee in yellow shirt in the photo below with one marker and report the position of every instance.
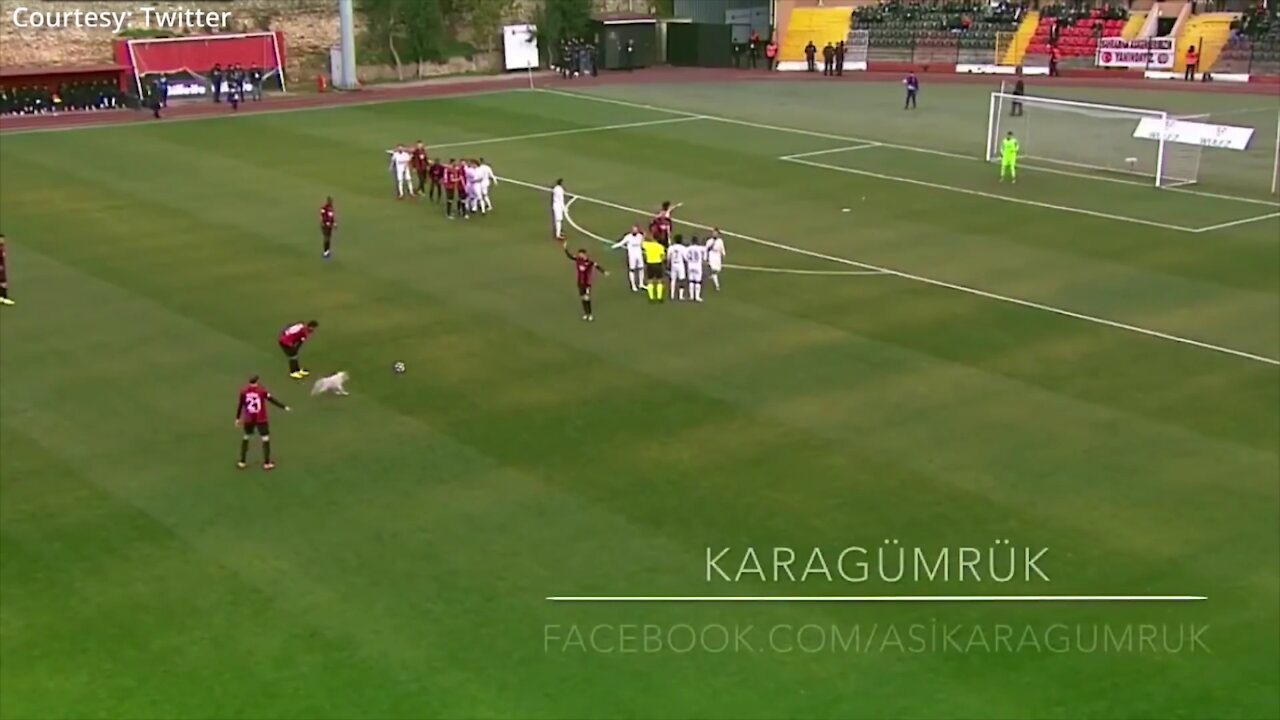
(654, 254)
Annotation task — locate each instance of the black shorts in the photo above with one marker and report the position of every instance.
(290, 351)
(261, 428)
(584, 291)
(451, 192)
(327, 231)
(653, 271)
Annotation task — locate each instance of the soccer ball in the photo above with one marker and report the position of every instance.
(398, 367)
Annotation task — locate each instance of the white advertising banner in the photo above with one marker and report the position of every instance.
(1146, 53)
(520, 47)
(1185, 132)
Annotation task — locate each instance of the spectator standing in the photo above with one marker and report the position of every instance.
(1192, 60)
(771, 54)
(215, 78)
(810, 53)
(1055, 55)
(840, 47)
(1019, 89)
(255, 78)
(754, 49)
(828, 60)
(912, 83)
(162, 90)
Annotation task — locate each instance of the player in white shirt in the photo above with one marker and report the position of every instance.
(471, 176)
(635, 259)
(484, 180)
(715, 256)
(676, 266)
(694, 256)
(559, 206)
(400, 170)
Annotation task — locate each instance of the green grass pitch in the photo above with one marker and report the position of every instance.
(1073, 364)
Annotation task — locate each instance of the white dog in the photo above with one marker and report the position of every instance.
(335, 383)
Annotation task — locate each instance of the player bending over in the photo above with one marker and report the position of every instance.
(585, 266)
(291, 339)
(559, 208)
(635, 259)
(328, 221)
(400, 170)
(695, 254)
(676, 266)
(654, 253)
(251, 417)
(715, 256)
(1009, 158)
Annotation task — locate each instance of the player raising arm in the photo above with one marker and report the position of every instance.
(715, 256)
(1009, 157)
(660, 225)
(635, 259)
(291, 339)
(585, 266)
(676, 266)
(251, 417)
(695, 254)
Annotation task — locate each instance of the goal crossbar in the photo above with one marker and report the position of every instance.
(1094, 136)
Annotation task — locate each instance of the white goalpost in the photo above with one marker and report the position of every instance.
(1107, 139)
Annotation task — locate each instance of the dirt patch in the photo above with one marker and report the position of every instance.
(518, 81)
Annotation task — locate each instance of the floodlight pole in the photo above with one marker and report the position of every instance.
(347, 43)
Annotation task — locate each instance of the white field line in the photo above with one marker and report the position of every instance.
(571, 131)
(789, 271)
(875, 598)
(939, 283)
(894, 146)
(1234, 223)
(850, 148)
(568, 216)
(991, 196)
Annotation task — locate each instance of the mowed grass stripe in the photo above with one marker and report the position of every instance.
(615, 484)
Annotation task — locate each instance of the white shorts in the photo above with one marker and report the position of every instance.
(714, 262)
(677, 271)
(557, 220)
(695, 274)
(482, 189)
(635, 261)
(404, 174)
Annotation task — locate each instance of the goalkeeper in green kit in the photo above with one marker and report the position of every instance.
(1009, 158)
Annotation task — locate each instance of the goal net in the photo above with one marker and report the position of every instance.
(188, 61)
(1106, 139)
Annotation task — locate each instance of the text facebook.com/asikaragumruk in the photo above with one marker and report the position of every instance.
(877, 638)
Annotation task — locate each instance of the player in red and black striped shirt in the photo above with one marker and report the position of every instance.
(418, 160)
(328, 220)
(584, 266)
(660, 225)
(453, 197)
(291, 339)
(4, 276)
(251, 417)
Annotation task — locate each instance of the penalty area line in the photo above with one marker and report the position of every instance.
(1028, 599)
